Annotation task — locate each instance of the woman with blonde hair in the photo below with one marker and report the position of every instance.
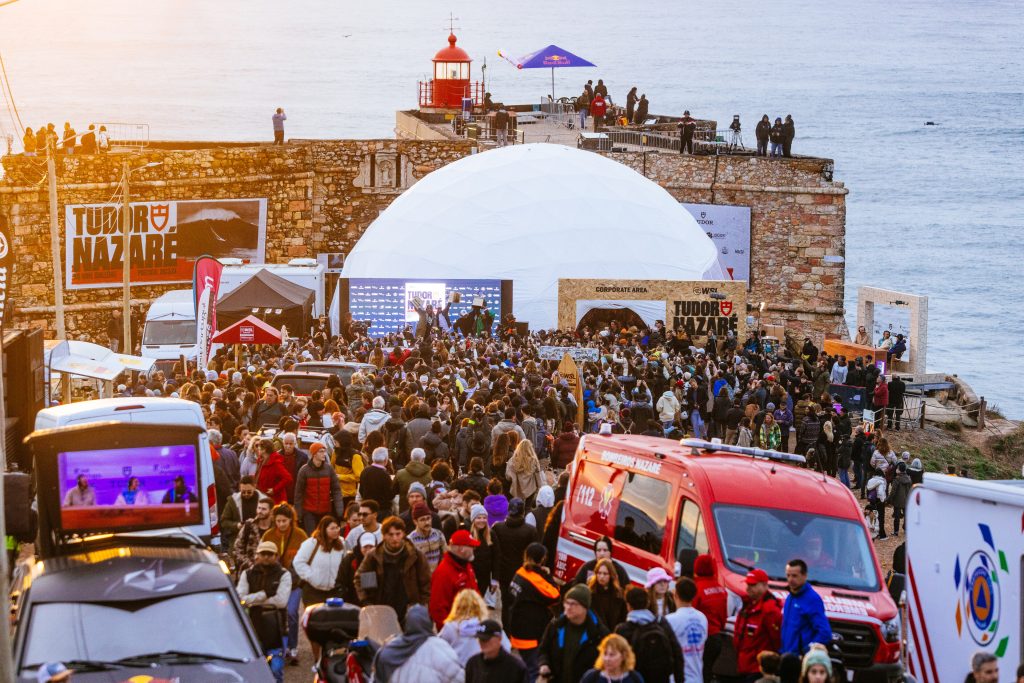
(523, 473)
(615, 663)
(461, 625)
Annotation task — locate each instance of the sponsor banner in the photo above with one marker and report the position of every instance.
(421, 295)
(6, 265)
(578, 354)
(166, 238)
(729, 228)
(700, 307)
(205, 286)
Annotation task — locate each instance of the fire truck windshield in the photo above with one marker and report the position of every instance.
(836, 550)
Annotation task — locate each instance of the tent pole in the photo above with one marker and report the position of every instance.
(552, 85)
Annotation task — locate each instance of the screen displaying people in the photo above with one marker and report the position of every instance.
(136, 485)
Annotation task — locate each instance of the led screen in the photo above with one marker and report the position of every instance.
(122, 488)
(388, 303)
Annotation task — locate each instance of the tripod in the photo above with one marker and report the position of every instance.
(735, 140)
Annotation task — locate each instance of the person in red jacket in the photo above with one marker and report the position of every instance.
(564, 447)
(598, 108)
(758, 625)
(880, 400)
(712, 601)
(454, 573)
(272, 476)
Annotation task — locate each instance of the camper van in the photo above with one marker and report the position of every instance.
(170, 328)
(965, 567)
(149, 411)
(665, 502)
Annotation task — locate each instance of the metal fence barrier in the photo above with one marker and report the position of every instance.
(126, 136)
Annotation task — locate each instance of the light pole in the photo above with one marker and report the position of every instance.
(126, 252)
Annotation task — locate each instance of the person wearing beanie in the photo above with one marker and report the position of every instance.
(568, 648)
(417, 494)
(816, 666)
(416, 471)
(375, 482)
(485, 556)
(317, 489)
(425, 537)
(916, 471)
(512, 537)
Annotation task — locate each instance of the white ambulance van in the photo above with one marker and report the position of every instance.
(965, 569)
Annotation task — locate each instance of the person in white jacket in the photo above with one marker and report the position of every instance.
(463, 624)
(876, 491)
(374, 419)
(668, 408)
(317, 560)
(316, 563)
(417, 656)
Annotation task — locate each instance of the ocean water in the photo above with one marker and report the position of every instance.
(935, 210)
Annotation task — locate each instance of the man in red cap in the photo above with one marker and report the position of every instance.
(453, 574)
(758, 625)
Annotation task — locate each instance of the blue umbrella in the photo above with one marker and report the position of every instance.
(552, 57)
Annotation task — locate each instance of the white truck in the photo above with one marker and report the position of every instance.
(170, 327)
(965, 568)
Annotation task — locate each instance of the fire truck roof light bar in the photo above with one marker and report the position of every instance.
(715, 445)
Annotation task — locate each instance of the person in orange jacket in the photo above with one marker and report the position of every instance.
(758, 625)
(712, 602)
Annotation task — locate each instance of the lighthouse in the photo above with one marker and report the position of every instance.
(451, 80)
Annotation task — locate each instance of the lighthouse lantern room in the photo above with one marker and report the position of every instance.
(451, 83)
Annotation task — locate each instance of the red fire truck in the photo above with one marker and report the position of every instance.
(665, 502)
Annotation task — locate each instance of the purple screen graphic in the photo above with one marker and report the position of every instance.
(107, 475)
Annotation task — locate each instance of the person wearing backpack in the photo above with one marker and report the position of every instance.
(659, 657)
(397, 438)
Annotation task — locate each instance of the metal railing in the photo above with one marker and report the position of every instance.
(126, 136)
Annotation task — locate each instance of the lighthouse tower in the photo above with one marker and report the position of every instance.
(451, 82)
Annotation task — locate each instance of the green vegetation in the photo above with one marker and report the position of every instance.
(979, 466)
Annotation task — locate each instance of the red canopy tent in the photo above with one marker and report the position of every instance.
(248, 330)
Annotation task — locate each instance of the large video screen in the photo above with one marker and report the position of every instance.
(388, 303)
(124, 488)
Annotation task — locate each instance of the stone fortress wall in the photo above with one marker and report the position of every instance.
(322, 194)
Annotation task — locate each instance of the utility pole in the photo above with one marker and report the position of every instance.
(126, 229)
(58, 277)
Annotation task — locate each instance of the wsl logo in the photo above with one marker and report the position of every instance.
(978, 605)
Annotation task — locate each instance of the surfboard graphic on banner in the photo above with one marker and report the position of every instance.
(205, 286)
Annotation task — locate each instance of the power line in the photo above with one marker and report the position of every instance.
(10, 94)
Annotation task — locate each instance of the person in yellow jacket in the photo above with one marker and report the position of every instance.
(348, 466)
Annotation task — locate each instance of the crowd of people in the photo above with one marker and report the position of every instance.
(779, 135)
(436, 486)
(47, 140)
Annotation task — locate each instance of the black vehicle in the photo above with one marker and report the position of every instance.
(115, 610)
(343, 369)
(120, 587)
(303, 383)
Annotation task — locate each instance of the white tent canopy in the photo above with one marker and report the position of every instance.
(85, 359)
(533, 214)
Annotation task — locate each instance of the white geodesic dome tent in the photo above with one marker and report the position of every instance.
(533, 214)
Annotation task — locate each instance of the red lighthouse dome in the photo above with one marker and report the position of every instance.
(451, 79)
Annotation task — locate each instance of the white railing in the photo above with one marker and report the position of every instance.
(126, 136)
